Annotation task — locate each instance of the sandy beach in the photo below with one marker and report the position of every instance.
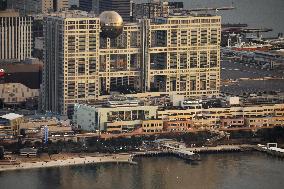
(116, 158)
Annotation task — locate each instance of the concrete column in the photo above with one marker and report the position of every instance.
(168, 84)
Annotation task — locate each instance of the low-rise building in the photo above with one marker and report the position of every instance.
(28, 152)
(221, 113)
(264, 121)
(152, 126)
(97, 118)
(6, 131)
(123, 126)
(232, 122)
(132, 115)
(11, 121)
(16, 93)
(35, 127)
(178, 125)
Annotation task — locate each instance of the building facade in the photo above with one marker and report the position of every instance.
(16, 93)
(150, 119)
(270, 121)
(15, 36)
(10, 122)
(174, 55)
(71, 60)
(184, 55)
(152, 126)
(122, 7)
(3, 4)
(178, 125)
(60, 5)
(225, 116)
(28, 7)
(45, 6)
(154, 9)
(150, 10)
(87, 5)
(119, 118)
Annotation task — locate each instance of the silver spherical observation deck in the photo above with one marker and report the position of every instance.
(111, 24)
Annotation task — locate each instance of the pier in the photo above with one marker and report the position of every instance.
(168, 147)
(271, 149)
(215, 149)
(183, 154)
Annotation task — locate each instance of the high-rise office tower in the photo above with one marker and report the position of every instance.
(28, 7)
(154, 9)
(86, 5)
(3, 4)
(87, 57)
(98, 6)
(15, 36)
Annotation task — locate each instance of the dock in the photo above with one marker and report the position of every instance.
(183, 154)
(271, 150)
(192, 154)
(216, 149)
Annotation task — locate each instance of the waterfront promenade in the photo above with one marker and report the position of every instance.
(184, 153)
(117, 158)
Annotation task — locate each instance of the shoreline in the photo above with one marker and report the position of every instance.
(117, 158)
(69, 162)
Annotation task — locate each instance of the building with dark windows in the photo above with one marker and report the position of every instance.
(86, 5)
(3, 4)
(122, 7)
(28, 7)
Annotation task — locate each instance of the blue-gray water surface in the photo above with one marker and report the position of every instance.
(247, 170)
(255, 13)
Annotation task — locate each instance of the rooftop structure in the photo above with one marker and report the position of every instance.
(111, 24)
(9, 124)
(11, 116)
